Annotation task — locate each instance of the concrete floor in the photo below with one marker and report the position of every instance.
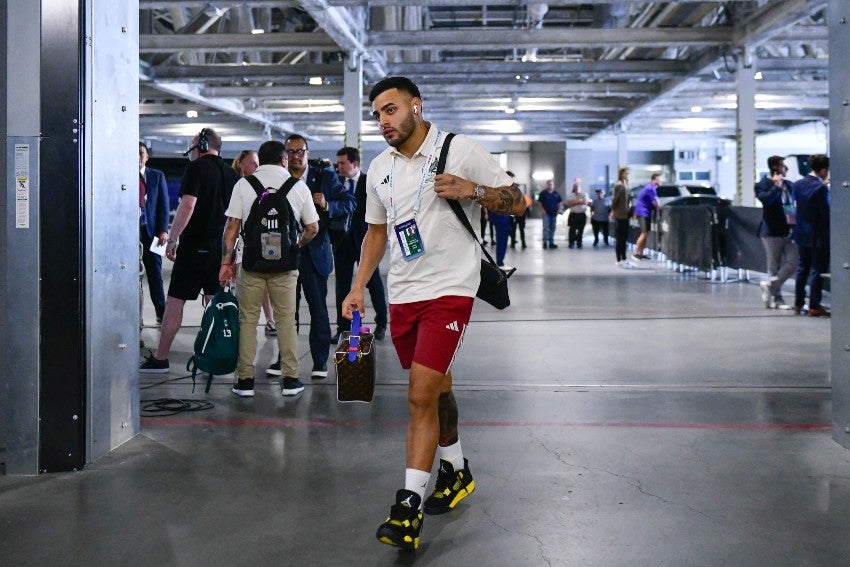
(611, 417)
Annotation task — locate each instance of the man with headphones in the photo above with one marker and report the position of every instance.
(198, 225)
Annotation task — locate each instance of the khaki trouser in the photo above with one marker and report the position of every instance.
(250, 287)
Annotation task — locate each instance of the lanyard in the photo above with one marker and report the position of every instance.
(391, 216)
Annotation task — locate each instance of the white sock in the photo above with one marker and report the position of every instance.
(416, 481)
(453, 454)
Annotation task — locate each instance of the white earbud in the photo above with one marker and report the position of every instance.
(415, 109)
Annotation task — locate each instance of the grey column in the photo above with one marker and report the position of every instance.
(111, 169)
(622, 150)
(746, 130)
(69, 319)
(20, 376)
(839, 120)
(352, 100)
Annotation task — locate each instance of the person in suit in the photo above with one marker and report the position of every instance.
(153, 223)
(811, 233)
(331, 200)
(348, 251)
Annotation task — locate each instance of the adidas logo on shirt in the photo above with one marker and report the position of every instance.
(272, 212)
(453, 326)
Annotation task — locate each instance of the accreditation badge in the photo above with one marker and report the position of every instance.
(409, 240)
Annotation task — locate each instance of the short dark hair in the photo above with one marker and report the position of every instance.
(270, 153)
(401, 83)
(144, 145)
(294, 137)
(774, 161)
(819, 162)
(353, 154)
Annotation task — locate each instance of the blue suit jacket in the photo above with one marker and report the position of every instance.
(358, 218)
(812, 199)
(156, 202)
(340, 203)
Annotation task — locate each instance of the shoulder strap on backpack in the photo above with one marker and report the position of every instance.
(287, 186)
(255, 183)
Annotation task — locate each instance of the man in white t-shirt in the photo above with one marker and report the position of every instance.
(251, 286)
(433, 279)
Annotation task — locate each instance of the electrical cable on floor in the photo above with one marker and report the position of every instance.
(165, 407)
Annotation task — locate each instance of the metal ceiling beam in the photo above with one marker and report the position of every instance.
(550, 38)
(475, 72)
(235, 42)
(446, 86)
(710, 57)
(775, 21)
(441, 39)
(339, 25)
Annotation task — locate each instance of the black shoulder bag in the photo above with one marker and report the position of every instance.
(494, 280)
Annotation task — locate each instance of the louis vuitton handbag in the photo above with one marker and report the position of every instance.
(354, 360)
(494, 280)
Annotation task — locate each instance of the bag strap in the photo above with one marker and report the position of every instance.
(458, 210)
(255, 183)
(283, 189)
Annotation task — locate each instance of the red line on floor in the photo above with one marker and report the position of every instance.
(152, 421)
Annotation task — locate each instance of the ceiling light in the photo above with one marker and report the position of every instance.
(191, 114)
(696, 109)
(316, 81)
(510, 110)
(257, 31)
(542, 175)
(758, 76)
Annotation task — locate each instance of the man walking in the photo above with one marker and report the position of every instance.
(778, 218)
(252, 285)
(550, 200)
(433, 278)
(647, 202)
(198, 225)
(811, 233)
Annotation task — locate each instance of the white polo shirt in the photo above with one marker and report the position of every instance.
(273, 176)
(452, 260)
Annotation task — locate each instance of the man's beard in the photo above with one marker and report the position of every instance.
(405, 130)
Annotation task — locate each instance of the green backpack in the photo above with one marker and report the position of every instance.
(217, 343)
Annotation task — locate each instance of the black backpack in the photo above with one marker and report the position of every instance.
(271, 231)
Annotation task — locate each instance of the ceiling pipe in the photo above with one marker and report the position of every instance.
(536, 12)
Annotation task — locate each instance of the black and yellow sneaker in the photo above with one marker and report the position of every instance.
(404, 523)
(451, 487)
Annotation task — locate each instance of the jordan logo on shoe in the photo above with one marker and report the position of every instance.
(453, 326)
(406, 502)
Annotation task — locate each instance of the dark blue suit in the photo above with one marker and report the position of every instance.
(317, 260)
(811, 233)
(153, 221)
(347, 254)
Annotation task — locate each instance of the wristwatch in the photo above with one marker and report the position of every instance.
(477, 192)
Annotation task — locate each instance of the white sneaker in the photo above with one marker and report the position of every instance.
(765, 293)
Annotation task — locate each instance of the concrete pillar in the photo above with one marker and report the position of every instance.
(839, 162)
(746, 130)
(69, 365)
(352, 100)
(622, 150)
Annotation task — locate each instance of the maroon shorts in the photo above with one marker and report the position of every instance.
(430, 332)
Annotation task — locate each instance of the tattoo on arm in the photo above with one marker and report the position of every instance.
(505, 200)
(447, 411)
